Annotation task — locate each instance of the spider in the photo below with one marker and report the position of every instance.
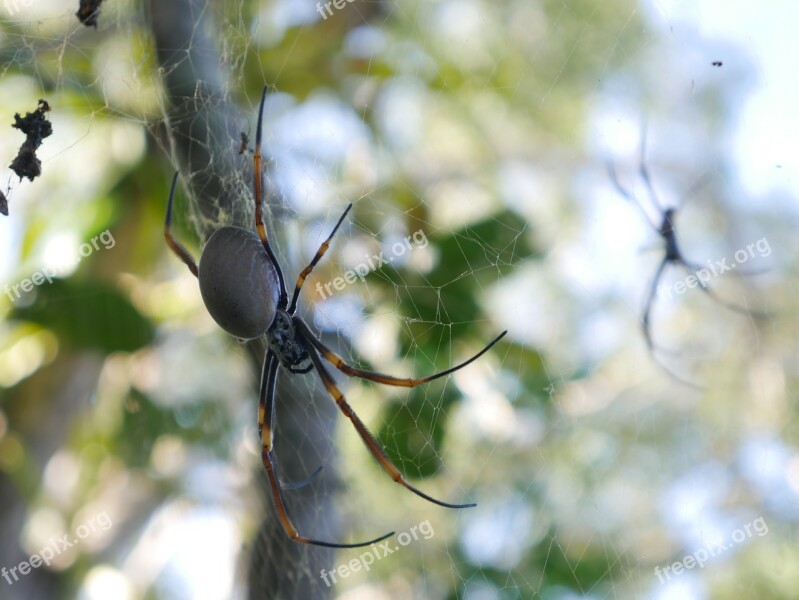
(244, 141)
(244, 290)
(672, 256)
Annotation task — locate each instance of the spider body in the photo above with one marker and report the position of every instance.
(238, 283)
(672, 256)
(244, 289)
(666, 230)
(284, 342)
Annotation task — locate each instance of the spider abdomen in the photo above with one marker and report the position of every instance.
(238, 282)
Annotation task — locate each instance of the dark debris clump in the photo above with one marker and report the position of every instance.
(36, 127)
(88, 11)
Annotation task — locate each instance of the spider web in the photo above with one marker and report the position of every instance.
(475, 136)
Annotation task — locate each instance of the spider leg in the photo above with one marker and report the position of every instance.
(650, 299)
(368, 439)
(751, 272)
(628, 195)
(266, 407)
(643, 169)
(176, 246)
(301, 484)
(342, 366)
(672, 374)
(693, 269)
(317, 257)
(646, 325)
(259, 219)
(268, 385)
(265, 399)
(650, 187)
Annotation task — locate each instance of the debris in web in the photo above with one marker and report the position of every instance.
(3, 204)
(88, 11)
(36, 127)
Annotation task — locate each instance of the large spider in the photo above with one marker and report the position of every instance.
(672, 256)
(244, 290)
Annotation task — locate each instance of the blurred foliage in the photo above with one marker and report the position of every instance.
(88, 316)
(414, 431)
(145, 423)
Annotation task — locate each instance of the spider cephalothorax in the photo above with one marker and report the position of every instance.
(284, 343)
(243, 288)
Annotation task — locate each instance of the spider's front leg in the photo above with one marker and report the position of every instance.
(409, 382)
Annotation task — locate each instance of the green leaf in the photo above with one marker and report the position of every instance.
(203, 423)
(413, 433)
(470, 259)
(88, 315)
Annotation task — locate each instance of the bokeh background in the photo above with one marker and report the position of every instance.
(127, 417)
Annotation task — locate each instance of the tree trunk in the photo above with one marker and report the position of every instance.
(202, 137)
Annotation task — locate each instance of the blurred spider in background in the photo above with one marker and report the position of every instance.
(244, 290)
(698, 274)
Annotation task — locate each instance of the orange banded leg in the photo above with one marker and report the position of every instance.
(268, 385)
(176, 246)
(266, 407)
(342, 366)
(317, 257)
(368, 439)
(259, 218)
(264, 397)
